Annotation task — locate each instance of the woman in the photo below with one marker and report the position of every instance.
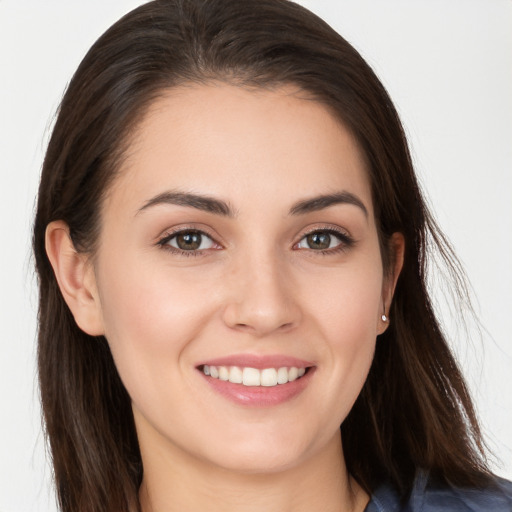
(230, 242)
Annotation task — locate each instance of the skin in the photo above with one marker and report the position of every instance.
(254, 287)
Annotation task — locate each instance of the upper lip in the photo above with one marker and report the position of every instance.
(258, 361)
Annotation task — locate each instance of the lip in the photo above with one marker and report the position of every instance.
(259, 396)
(259, 362)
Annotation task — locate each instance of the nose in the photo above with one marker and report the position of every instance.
(262, 298)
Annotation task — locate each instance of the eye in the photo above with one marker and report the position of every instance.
(325, 239)
(188, 241)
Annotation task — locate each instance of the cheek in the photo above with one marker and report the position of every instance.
(347, 302)
(150, 317)
(347, 316)
(150, 298)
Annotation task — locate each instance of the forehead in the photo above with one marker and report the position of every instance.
(241, 144)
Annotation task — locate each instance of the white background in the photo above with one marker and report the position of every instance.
(448, 66)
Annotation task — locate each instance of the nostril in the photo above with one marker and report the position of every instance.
(260, 314)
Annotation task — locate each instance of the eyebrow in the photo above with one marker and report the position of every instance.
(317, 203)
(200, 202)
(220, 207)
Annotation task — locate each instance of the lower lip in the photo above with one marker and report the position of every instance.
(260, 396)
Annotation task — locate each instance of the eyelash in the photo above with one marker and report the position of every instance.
(346, 241)
(164, 242)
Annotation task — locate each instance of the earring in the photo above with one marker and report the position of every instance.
(384, 318)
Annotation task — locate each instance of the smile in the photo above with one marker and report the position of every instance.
(252, 377)
(257, 380)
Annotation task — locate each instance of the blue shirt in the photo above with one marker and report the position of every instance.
(428, 497)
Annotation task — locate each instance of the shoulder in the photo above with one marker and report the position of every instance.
(428, 496)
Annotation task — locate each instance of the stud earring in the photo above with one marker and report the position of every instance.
(384, 318)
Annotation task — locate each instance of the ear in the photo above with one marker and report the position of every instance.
(397, 249)
(75, 277)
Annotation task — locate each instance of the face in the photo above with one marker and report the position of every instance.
(239, 243)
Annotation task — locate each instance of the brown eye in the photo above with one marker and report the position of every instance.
(325, 240)
(318, 240)
(190, 241)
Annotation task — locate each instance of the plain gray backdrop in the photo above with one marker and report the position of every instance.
(448, 66)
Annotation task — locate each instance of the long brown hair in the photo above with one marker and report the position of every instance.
(414, 410)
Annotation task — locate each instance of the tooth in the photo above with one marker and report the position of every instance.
(269, 377)
(223, 373)
(235, 375)
(293, 373)
(251, 377)
(282, 375)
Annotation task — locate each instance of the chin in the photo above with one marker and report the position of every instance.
(261, 458)
(254, 464)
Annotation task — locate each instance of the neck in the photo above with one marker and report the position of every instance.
(178, 481)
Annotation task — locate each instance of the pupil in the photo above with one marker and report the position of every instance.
(189, 241)
(319, 240)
